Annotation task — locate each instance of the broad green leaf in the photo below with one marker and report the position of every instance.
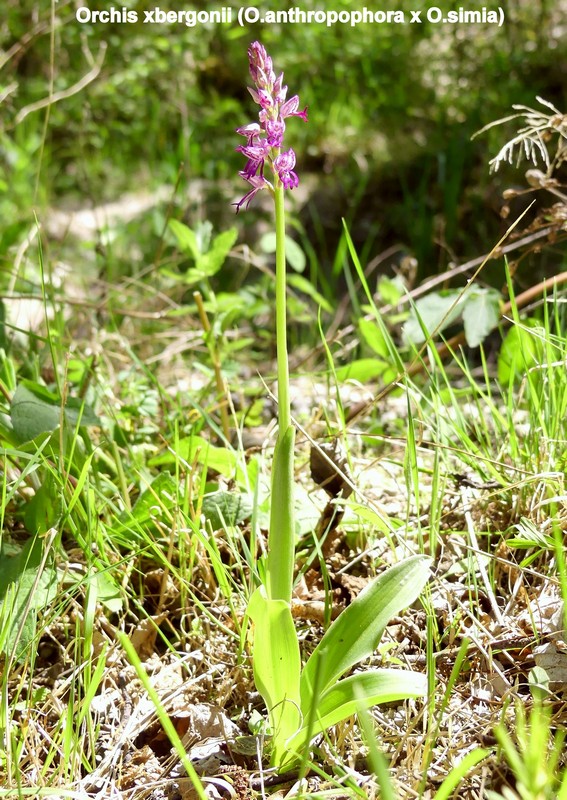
(391, 289)
(226, 508)
(34, 410)
(186, 238)
(32, 414)
(373, 337)
(363, 370)
(107, 591)
(481, 314)
(365, 689)
(160, 496)
(380, 521)
(294, 255)
(521, 350)
(277, 665)
(192, 276)
(212, 261)
(204, 235)
(303, 285)
(434, 312)
(199, 449)
(22, 593)
(43, 510)
(355, 634)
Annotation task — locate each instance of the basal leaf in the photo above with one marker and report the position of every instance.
(355, 634)
(281, 541)
(277, 666)
(365, 689)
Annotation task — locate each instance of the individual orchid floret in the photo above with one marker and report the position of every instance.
(256, 152)
(275, 130)
(283, 165)
(251, 131)
(289, 109)
(258, 182)
(264, 139)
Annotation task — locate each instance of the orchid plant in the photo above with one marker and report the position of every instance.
(304, 702)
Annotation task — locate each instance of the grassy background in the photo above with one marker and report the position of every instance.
(392, 111)
(136, 443)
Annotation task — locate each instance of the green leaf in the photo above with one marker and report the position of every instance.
(355, 634)
(373, 337)
(521, 350)
(34, 410)
(277, 665)
(210, 263)
(22, 593)
(31, 413)
(199, 449)
(303, 285)
(43, 510)
(160, 496)
(107, 591)
(363, 370)
(294, 255)
(226, 508)
(391, 289)
(480, 314)
(365, 689)
(186, 238)
(434, 312)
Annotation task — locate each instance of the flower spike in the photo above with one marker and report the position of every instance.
(264, 139)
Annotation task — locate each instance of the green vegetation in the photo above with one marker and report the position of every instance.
(138, 380)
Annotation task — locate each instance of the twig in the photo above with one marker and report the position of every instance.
(475, 262)
(89, 77)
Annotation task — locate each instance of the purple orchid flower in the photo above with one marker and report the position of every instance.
(264, 139)
(283, 165)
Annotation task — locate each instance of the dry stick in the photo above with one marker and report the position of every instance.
(475, 262)
(497, 252)
(361, 409)
(89, 77)
(222, 389)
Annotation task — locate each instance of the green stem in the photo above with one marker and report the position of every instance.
(281, 539)
(284, 409)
